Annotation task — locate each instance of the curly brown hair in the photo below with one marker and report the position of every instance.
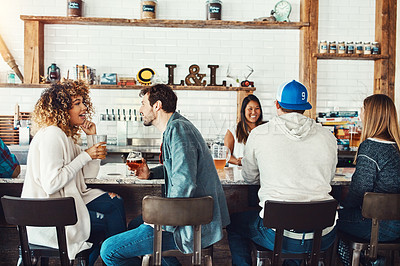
(54, 103)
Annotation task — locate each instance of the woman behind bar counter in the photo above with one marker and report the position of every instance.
(57, 167)
(377, 169)
(236, 136)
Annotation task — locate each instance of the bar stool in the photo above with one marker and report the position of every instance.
(299, 216)
(178, 212)
(376, 206)
(57, 212)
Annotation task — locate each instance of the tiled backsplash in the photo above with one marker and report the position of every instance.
(273, 54)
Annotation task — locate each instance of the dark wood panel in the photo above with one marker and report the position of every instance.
(165, 23)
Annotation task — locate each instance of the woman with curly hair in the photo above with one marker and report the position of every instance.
(57, 167)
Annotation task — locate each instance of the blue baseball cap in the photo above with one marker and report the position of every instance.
(293, 96)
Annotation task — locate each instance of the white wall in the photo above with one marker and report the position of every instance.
(273, 54)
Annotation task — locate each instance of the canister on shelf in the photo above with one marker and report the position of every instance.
(74, 8)
(148, 9)
(341, 47)
(367, 48)
(323, 47)
(332, 47)
(375, 48)
(213, 9)
(350, 47)
(359, 48)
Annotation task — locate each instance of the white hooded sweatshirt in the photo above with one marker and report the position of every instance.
(293, 157)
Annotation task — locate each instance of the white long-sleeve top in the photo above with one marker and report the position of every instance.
(293, 157)
(57, 167)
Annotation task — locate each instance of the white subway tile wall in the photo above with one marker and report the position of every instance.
(273, 54)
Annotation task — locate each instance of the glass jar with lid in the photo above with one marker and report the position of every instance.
(148, 9)
(213, 9)
(359, 48)
(375, 48)
(367, 48)
(341, 47)
(323, 47)
(332, 47)
(350, 47)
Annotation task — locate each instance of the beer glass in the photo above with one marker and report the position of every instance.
(134, 161)
(221, 155)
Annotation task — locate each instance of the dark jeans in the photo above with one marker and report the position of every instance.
(127, 247)
(248, 226)
(107, 218)
(352, 222)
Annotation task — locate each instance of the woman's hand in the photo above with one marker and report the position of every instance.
(143, 172)
(89, 127)
(239, 161)
(97, 151)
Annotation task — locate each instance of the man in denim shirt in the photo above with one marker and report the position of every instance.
(9, 165)
(188, 170)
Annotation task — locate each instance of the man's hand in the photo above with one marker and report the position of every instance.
(143, 172)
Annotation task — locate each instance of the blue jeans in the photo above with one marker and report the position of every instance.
(248, 226)
(127, 247)
(352, 222)
(107, 218)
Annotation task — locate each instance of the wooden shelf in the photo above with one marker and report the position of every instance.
(164, 23)
(350, 56)
(138, 87)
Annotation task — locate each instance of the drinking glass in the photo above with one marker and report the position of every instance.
(134, 161)
(221, 155)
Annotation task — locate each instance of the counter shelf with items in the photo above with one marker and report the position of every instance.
(345, 125)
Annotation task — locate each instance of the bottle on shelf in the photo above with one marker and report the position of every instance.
(332, 47)
(341, 47)
(350, 47)
(367, 48)
(359, 48)
(323, 47)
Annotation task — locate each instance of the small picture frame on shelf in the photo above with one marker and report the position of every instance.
(109, 79)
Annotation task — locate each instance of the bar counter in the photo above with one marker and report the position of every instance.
(240, 196)
(116, 173)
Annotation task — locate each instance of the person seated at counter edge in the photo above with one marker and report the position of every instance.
(236, 136)
(188, 170)
(57, 167)
(295, 160)
(9, 165)
(377, 170)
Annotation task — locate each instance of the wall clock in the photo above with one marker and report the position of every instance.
(282, 11)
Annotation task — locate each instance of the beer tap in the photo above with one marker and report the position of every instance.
(17, 122)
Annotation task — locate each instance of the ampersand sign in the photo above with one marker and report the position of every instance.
(195, 77)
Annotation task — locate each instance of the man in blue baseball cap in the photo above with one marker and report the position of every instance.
(294, 159)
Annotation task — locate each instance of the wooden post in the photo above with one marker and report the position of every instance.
(308, 45)
(385, 34)
(240, 96)
(33, 51)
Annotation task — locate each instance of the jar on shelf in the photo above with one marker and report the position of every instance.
(148, 9)
(375, 48)
(350, 47)
(332, 47)
(323, 47)
(74, 8)
(367, 48)
(341, 47)
(359, 48)
(213, 9)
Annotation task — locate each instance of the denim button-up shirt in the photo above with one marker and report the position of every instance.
(189, 171)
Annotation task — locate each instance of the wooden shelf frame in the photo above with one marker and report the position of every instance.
(384, 64)
(351, 56)
(165, 23)
(139, 87)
